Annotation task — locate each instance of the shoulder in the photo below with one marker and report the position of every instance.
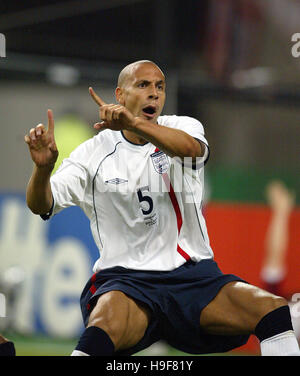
(87, 149)
(175, 121)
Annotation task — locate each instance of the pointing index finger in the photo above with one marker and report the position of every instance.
(96, 98)
(50, 121)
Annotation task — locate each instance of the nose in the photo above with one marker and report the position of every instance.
(153, 93)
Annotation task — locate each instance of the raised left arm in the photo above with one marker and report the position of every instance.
(174, 142)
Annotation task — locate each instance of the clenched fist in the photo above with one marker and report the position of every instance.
(114, 116)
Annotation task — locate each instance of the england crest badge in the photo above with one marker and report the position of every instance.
(160, 162)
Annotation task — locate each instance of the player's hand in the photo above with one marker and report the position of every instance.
(42, 144)
(113, 116)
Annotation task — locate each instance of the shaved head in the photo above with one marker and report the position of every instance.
(141, 89)
(128, 71)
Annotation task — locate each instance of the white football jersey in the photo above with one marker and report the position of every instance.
(145, 208)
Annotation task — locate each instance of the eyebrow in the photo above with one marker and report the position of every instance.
(148, 82)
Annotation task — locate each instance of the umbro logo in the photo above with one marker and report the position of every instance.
(116, 181)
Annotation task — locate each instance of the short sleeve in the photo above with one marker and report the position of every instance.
(194, 128)
(68, 183)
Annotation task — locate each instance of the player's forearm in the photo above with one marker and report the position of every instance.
(277, 239)
(38, 193)
(173, 142)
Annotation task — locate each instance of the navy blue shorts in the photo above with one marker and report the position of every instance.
(175, 299)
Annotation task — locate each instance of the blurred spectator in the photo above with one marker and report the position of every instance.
(233, 37)
(274, 270)
(282, 202)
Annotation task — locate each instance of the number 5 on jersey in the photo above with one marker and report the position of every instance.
(146, 201)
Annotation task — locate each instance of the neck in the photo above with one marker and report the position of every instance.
(134, 138)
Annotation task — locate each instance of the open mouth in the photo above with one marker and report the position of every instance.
(149, 111)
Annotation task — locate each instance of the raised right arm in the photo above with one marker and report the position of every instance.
(44, 153)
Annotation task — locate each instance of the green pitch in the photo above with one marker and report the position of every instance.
(47, 346)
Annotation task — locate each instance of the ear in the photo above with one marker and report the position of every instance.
(120, 95)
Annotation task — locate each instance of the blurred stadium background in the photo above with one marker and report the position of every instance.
(228, 63)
